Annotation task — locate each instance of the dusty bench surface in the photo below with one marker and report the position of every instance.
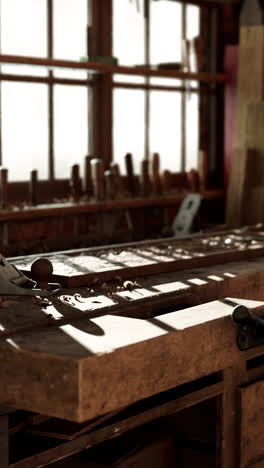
(83, 266)
(91, 351)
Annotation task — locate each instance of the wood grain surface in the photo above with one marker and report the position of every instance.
(252, 416)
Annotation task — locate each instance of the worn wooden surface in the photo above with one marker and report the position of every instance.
(87, 367)
(99, 345)
(250, 89)
(85, 266)
(252, 416)
(94, 351)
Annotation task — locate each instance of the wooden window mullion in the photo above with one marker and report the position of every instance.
(50, 92)
(147, 82)
(1, 144)
(102, 100)
(183, 98)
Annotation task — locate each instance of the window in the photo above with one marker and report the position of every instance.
(50, 111)
(129, 123)
(70, 128)
(28, 19)
(170, 124)
(25, 129)
(165, 128)
(46, 111)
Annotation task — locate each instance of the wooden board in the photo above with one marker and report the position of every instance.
(253, 191)
(252, 414)
(250, 89)
(85, 267)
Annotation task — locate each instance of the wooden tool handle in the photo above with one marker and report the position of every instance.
(4, 187)
(33, 187)
(203, 169)
(110, 192)
(156, 180)
(130, 174)
(41, 270)
(145, 179)
(97, 167)
(75, 183)
(118, 182)
(193, 179)
(166, 180)
(87, 179)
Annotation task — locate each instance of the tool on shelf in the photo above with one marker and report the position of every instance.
(183, 222)
(145, 179)
(87, 180)
(97, 167)
(33, 187)
(3, 187)
(75, 183)
(156, 180)
(130, 174)
(110, 192)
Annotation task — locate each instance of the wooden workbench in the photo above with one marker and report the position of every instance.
(93, 353)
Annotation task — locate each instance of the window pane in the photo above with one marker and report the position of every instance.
(165, 128)
(70, 33)
(192, 130)
(70, 128)
(24, 32)
(193, 21)
(25, 129)
(165, 36)
(165, 31)
(129, 36)
(192, 31)
(129, 126)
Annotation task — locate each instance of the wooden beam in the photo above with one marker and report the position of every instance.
(218, 78)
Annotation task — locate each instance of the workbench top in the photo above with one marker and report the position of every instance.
(88, 351)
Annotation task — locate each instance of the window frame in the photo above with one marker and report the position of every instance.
(100, 87)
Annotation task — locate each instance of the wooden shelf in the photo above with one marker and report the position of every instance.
(213, 78)
(66, 209)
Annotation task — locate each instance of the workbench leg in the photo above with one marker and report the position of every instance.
(4, 445)
(229, 418)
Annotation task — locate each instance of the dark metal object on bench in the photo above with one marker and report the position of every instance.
(251, 327)
(14, 283)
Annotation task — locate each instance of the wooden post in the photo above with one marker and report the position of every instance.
(228, 417)
(33, 187)
(100, 34)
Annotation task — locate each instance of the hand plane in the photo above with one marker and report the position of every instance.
(14, 283)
